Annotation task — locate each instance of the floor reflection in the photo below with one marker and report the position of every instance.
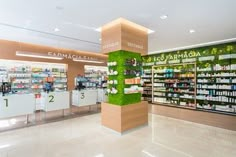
(85, 137)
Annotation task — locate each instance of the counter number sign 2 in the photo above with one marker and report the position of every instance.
(51, 98)
(6, 100)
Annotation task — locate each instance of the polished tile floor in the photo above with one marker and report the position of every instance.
(85, 137)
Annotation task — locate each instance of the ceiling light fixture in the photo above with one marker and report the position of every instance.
(163, 17)
(56, 30)
(59, 8)
(192, 31)
(100, 155)
(150, 31)
(36, 55)
(87, 61)
(100, 39)
(98, 29)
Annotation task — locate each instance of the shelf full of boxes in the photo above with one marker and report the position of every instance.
(174, 85)
(215, 76)
(29, 77)
(216, 83)
(146, 81)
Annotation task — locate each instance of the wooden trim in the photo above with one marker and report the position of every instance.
(206, 118)
(123, 118)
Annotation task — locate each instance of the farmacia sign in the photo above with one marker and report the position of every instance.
(70, 56)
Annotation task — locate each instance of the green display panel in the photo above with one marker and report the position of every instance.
(215, 74)
(188, 55)
(125, 71)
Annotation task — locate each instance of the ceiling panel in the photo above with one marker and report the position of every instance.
(35, 21)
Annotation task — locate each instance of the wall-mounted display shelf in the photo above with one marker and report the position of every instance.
(29, 77)
(112, 81)
(216, 85)
(132, 74)
(41, 72)
(147, 84)
(174, 84)
(215, 77)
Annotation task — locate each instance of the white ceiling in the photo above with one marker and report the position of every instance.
(34, 21)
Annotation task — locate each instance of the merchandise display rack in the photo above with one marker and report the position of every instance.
(19, 77)
(174, 85)
(39, 74)
(96, 76)
(147, 84)
(29, 77)
(132, 75)
(215, 76)
(216, 84)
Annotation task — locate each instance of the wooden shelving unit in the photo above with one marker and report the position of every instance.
(174, 85)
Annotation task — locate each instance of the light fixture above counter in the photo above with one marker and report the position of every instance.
(36, 55)
(87, 61)
(59, 56)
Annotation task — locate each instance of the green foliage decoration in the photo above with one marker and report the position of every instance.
(120, 57)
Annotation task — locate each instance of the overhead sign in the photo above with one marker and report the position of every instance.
(191, 55)
(70, 56)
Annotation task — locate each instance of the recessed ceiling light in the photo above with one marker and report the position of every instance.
(150, 31)
(100, 39)
(98, 29)
(192, 31)
(59, 8)
(163, 17)
(56, 29)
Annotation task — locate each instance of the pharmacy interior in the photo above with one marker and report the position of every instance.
(39, 78)
(199, 79)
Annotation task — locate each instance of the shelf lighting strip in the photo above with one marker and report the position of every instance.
(87, 61)
(36, 55)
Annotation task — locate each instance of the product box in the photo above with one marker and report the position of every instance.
(129, 81)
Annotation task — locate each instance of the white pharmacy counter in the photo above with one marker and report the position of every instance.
(84, 97)
(102, 97)
(13, 105)
(55, 101)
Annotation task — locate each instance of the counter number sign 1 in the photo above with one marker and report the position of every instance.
(51, 98)
(6, 100)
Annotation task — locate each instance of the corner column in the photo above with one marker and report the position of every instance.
(124, 42)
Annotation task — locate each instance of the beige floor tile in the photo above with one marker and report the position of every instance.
(85, 137)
